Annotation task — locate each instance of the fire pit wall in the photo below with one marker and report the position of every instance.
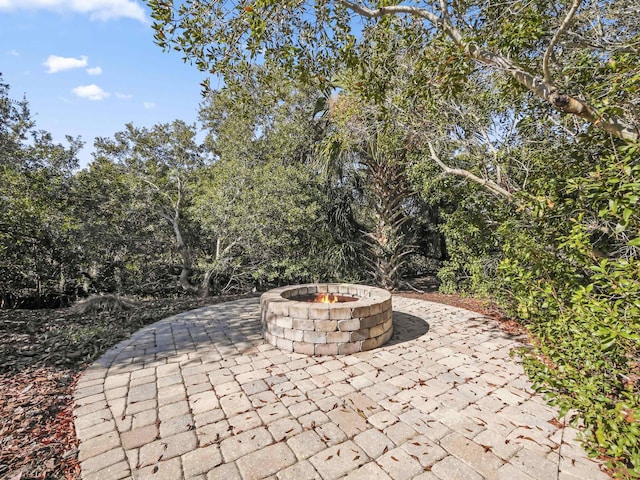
(327, 328)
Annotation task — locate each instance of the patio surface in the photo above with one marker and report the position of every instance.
(201, 396)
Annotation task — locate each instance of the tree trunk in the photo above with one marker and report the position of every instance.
(388, 243)
(205, 290)
(187, 268)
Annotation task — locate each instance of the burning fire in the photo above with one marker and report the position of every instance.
(327, 298)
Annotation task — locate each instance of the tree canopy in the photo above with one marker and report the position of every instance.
(580, 57)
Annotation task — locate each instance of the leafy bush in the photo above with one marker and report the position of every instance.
(579, 293)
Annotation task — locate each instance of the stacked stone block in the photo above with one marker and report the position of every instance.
(327, 328)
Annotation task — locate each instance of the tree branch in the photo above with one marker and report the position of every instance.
(554, 41)
(390, 10)
(559, 100)
(579, 40)
(488, 184)
(542, 88)
(157, 189)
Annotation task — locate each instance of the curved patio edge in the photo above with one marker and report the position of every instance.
(201, 396)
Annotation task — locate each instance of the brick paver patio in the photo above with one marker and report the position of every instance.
(201, 396)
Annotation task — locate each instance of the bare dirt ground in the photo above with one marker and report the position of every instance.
(43, 352)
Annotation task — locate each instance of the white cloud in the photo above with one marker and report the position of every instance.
(13, 53)
(149, 105)
(94, 71)
(91, 92)
(58, 64)
(123, 96)
(96, 9)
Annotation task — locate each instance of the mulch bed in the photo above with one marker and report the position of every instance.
(43, 352)
(37, 438)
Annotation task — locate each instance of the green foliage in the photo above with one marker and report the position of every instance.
(579, 293)
(367, 154)
(561, 253)
(126, 248)
(372, 143)
(156, 213)
(471, 254)
(263, 220)
(537, 46)
(160, 166)
(36, 227)
(272, 215)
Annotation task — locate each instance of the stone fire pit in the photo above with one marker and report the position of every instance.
(293, 318)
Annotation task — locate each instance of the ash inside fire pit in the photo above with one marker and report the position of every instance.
(327, 319)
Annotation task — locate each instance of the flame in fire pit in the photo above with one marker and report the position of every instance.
(326, 298)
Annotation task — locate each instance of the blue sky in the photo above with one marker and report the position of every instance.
(88, 67)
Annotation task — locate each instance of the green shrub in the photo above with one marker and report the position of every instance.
(578, 290)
